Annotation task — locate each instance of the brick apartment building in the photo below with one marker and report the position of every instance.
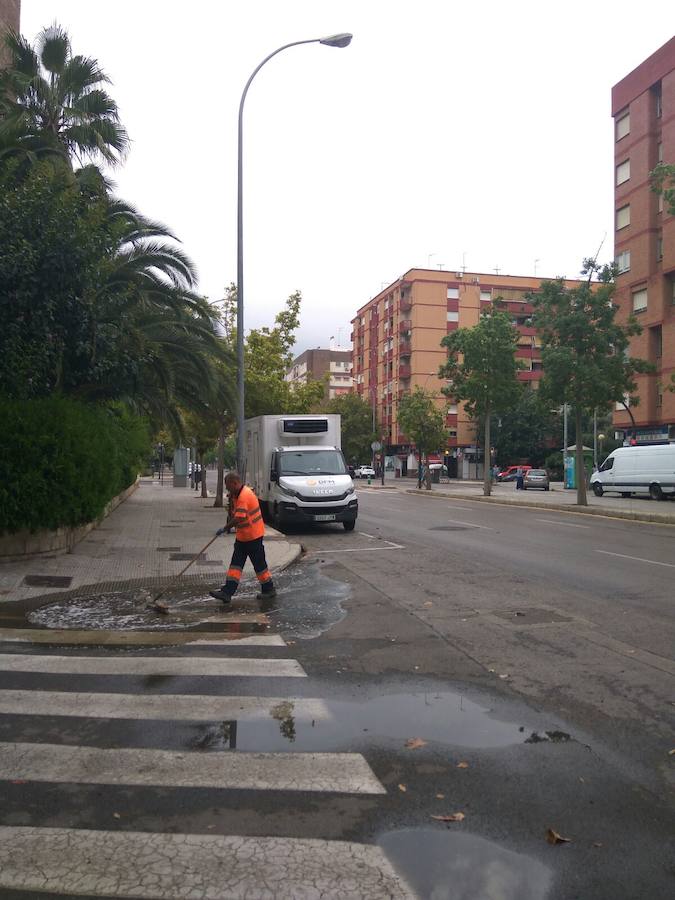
(10, 11)
(335, 366)
(397, 347)
(643, 108)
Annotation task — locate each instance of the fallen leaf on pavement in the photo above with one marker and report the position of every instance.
(597, 844)
(116, 816)
(554, 838)
(440, 796)
(462, 765)
(414, 743)
(428, 604)
(452, 817)
(402, 788)
(671, 752)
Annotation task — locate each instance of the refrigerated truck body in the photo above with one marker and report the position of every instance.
(297, 470)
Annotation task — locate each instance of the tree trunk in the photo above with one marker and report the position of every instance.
(580, 468)
(218, 502)
(205, 492)
(487, 462)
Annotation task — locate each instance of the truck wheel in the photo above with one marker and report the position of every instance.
(597, 489)
(348, 526)
(655, 492)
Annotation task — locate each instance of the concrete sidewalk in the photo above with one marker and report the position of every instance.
(636, 508)
(139, 542)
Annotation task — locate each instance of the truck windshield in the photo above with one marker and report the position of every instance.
(312, 462)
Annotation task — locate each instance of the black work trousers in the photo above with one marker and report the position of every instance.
(255, 551)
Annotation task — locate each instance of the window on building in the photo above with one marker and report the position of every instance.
(453, 316)
(656, 342)
(453, 293)
(622, 125)
(659, 204)
(452, 409)
(659, 248)
(659, 395)
(658, 100)
(623, 216)
(623, 171)
(640, 300)
(659, 152)
(671, 279)
(485, 295)
(623, 261)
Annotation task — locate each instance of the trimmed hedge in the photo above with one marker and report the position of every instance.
(62, 461)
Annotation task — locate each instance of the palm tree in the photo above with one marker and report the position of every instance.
(53, 103)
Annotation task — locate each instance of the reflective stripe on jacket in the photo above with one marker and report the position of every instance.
(248, 520)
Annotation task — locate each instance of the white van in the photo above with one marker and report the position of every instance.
(637, 470)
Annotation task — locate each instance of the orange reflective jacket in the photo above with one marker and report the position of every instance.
(248, 520)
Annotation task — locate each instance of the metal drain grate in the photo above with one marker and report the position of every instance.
(185, 556)
(168, 549)
(55, 581)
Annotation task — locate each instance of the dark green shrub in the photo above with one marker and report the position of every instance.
(61, 461)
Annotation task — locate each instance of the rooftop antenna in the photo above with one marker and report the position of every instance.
(536, 262)
(440, 266)
(497, 270)
(339, 337)
(429, 259)
(463, 262)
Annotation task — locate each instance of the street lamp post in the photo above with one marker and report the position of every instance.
(334, 40)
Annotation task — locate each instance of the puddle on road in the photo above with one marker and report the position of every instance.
(307, 604)
(442, 717)
(444, 865)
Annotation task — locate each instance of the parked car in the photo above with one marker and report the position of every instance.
(536, 478)
(352, 471)
(510, 472)
(364, 472)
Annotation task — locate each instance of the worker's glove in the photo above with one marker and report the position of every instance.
(221, 531)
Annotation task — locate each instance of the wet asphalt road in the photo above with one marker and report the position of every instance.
(501, 637)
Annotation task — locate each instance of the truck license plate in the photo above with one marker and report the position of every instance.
(330, 518)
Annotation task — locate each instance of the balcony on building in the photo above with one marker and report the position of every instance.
(404, 348)
(404, 325)
(404, 371)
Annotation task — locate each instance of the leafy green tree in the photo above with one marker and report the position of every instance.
(422, 421)
(481, 372)
(267, 357)
(356, 425)
(584, 350)
(663, 182)
(526, 431)
(53, 103)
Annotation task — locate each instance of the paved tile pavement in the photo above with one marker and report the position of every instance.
(137, 542)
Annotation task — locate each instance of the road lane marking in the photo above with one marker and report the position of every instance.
(651, 562)
(365, 534)
(168, 866)
(342, 773)
(169, 707)
(390, 546)
(565, 524)
(468, 524)
(104, 638)
(144, 665)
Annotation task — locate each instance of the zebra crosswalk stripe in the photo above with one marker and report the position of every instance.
(344, 773)
(185, 707)
(177, 866)
(149, 665)
(124, 638)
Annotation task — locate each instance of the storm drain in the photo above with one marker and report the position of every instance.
(533, 616)
(185, 556)
(450, 528)
(168, 549)
(55, 581)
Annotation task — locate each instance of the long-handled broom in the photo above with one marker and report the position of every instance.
(164, 607)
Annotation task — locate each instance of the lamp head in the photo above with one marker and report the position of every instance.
(337, 40)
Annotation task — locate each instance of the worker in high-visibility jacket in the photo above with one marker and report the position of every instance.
(246, 519)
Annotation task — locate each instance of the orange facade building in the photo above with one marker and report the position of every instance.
(643, 108)
(397, 347)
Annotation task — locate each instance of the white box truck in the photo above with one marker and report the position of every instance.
(297, 470)
(637, 470)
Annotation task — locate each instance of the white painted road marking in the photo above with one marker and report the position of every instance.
(344, 773)
(144, 665)
(651, 562)
(175, 866)
(201, 708)
(390, 546)
(565, 524)
(105, 638)
(468, 524)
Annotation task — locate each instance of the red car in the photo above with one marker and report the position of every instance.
(510, 472)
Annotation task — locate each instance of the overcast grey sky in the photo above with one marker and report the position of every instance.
(475, 131)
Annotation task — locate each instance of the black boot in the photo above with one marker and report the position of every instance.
(221, 595)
